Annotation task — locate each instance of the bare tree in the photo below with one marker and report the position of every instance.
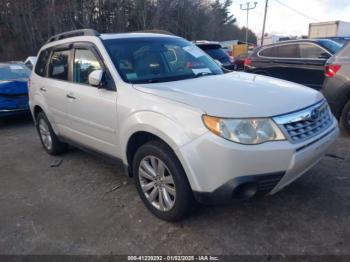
(26, 24)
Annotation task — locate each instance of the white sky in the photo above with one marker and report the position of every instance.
(282, 21)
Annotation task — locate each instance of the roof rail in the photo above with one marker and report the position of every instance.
(80, 32)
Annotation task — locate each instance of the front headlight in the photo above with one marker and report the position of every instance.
(244, 131)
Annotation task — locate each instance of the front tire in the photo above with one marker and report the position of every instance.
(345, 117)
(161, 182)
(48, 138)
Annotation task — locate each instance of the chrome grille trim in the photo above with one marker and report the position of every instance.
(307, 123)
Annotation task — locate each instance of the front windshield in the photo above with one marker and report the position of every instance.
(331, 45)
(13, 72)
(159, 59)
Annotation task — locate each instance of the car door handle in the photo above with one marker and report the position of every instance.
(43, 89)
(70, 96)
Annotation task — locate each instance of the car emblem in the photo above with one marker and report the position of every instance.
(315, 114)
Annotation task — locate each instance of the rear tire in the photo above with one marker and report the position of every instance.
(345, 117)
(48, 138)
(161, 182)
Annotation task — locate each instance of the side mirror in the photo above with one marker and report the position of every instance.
(324, 56)
(96, 78)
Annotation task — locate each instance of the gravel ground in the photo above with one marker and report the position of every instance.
(72, 209)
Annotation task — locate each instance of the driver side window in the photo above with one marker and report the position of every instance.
(84, 63)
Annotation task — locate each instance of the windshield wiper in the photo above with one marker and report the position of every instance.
(152, 80)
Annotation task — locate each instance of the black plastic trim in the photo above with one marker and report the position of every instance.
(81, 32)
(228, 191)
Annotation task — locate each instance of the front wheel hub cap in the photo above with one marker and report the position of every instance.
(157, 183)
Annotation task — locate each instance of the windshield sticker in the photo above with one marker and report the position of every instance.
(201, 70)
(15, 67)
(194, 51)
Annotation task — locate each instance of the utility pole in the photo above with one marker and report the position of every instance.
(263, 30)
(247, 8)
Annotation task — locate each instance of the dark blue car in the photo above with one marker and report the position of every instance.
(13, 89)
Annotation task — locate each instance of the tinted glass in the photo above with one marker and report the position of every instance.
(310, 51)
(268, 52)
(330, 45)
(287, 51)
(40, 67)
(13, 72)
(218, 54)
(155, 59)
(59, 65)
(84, 63)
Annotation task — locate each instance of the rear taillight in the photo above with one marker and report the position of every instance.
(331, 70)
(247, 62)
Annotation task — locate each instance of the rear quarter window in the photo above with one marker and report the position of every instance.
(40, 68)
(310, 51)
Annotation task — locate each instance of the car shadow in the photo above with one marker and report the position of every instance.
(16, 121)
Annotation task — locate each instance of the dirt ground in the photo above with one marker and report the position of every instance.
(73, 209)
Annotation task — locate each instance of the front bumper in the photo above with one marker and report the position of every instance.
(13, 104)
(10, 112)
(217, 169)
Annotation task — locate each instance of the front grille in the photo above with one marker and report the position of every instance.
(305, 124)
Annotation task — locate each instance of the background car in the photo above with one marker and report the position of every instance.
(13, 88)
(299, 61)
(214, 49)
(336, 87)
(239, 61)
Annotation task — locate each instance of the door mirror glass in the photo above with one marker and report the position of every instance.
(96, 78)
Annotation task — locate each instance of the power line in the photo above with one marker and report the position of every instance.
(297, 11)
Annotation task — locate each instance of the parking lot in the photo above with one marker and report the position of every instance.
(87, 205)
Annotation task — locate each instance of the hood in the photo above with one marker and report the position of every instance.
(236, 94)
(15, 87)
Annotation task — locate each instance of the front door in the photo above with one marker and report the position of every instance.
(93, 110)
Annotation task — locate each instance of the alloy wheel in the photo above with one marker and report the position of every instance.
(157, 183)
(45, 134)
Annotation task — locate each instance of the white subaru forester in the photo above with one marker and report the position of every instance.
(184, 129)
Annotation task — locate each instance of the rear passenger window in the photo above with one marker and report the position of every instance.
(84, 63)
(287, 51)
(59, 65)
(310, 51)
(268, 52)
(40, 68)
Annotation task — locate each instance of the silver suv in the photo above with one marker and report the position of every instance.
(182, 127)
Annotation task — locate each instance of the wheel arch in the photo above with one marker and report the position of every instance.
(138, 139)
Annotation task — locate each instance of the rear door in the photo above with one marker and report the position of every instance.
(54, 88)
(313, 62)
(93, 110)
(286, 64)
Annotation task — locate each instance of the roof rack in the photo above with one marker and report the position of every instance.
(80, 32)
